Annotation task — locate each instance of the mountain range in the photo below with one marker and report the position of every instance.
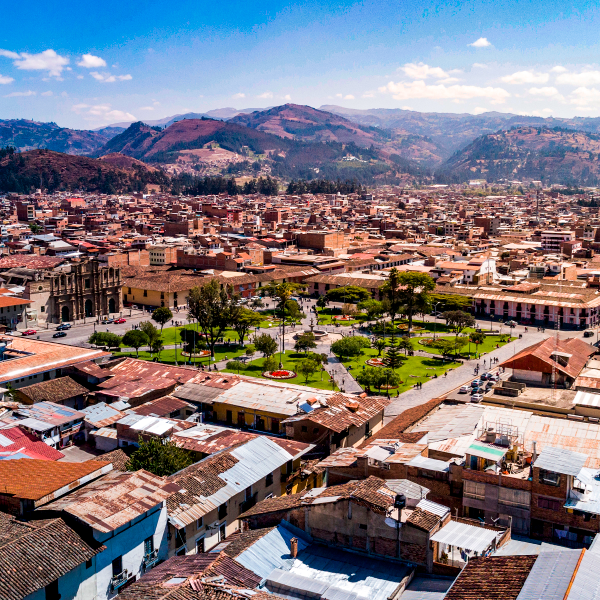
(300, 142)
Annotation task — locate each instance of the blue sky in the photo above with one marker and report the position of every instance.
(86, 65)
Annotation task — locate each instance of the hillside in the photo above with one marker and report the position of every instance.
(154, 144)
(26, 171)
(29, 135)
(550, 155)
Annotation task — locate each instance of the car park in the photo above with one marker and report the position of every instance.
(60, 334)
(464, 389)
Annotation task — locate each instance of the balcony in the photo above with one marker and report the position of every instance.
(150, 560)
(119, 580)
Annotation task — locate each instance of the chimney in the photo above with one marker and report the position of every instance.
(294, 547)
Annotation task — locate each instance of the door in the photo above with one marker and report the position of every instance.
(65, 314)
(112, 306)
(229, 417)
(241, 419)
(89, 308)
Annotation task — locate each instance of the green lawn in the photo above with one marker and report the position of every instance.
(168, 356)
(326, 317)
(414, 369)
(171, 336)
(290, 360)
(488, 345)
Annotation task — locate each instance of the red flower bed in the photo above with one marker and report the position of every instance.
(280, 373)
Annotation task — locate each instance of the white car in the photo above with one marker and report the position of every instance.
(476, 397)
(465, 389)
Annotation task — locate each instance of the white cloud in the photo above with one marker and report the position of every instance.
(79, 76)
(48, 93)
(479, 66)
(339, 96)
(108, 78)
(287, 97)
(419, 89)
(422, 71)
(449, 80)
(239, 95)
(20, 94)
(481, 43)
(521, 77)
(89, 61)
(4, 79)
(348, 97)
(102, 112)
(48, 60)
(478, 110)
(147, 108)
(583, 96)
(265, 95)
(406, 108)
(581, 79)
(547, 92)
(9, 54)
(558, 69)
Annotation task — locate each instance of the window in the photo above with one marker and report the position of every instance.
(43, 309)
(199, 545)
(315, 430)
(162, 295)
(51, 591)
(117, 566)
(549, 503)
(87, 284)
(549, 477)
(145, 293)
(362, 526)
(269, 480)
(199, 523)
(222, 532)
(129, 292)
(148, 545)
(223, 510)
(514, 497)
(304, 429)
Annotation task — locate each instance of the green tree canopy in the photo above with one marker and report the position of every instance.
(308, 367)
(305, 342)
(350, 346)
(159, 457)
(162, 316)
(243, 321)
(348, 293)
(105, 338)
(373, 308)
(266, 344)
(135, 338)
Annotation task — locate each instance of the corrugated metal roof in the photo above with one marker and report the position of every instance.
(550, 576)
(410, 489)
(586, 585)
(433, 508)
(560, 460)
(467, 537)
(586, 399)
(486, 451)
(270, 552)
(429, 463)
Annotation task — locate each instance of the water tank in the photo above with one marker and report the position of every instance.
(400, 501)
(490, 435)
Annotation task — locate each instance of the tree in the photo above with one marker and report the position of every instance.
(307, 368)
(373, 308)
(213, 307)
(379, 344)
(250, 350)
(151, 332)
(348, 293)
(350, 346)
(281, 294)
(244, 321)
(458, 320)
(236, 365)
(257, 303)
(349, 310)
(322, 302)
(192, 339)
(135, 338)
(409, 289)
(476, 337)
(35, 228)
(305, 342)
(157, 345)
(266, 344)
(368, 378)
(162, 316)
(392, 357)
(406, 344)
(105, 338)
(270, 364)
(292, 310)
(159, 457)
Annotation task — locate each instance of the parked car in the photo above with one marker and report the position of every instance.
(475, 383)
(478, 390)
(107, 321)
(119, 321)
(464, 389)
(60, 334)
(511, 323)
(64, 327)
(588, 333)
(485, 376)
(489, 385)
(29, 332)
(476, 398)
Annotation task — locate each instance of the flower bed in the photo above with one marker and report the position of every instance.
(201, 354)
(343, 318)
(375, 362)
(280, 374)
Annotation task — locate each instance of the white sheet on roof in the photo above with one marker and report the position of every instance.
(467, 537)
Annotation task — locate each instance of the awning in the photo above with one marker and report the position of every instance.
(467, 537)
(486, 451)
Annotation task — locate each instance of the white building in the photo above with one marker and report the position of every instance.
(552, 240)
